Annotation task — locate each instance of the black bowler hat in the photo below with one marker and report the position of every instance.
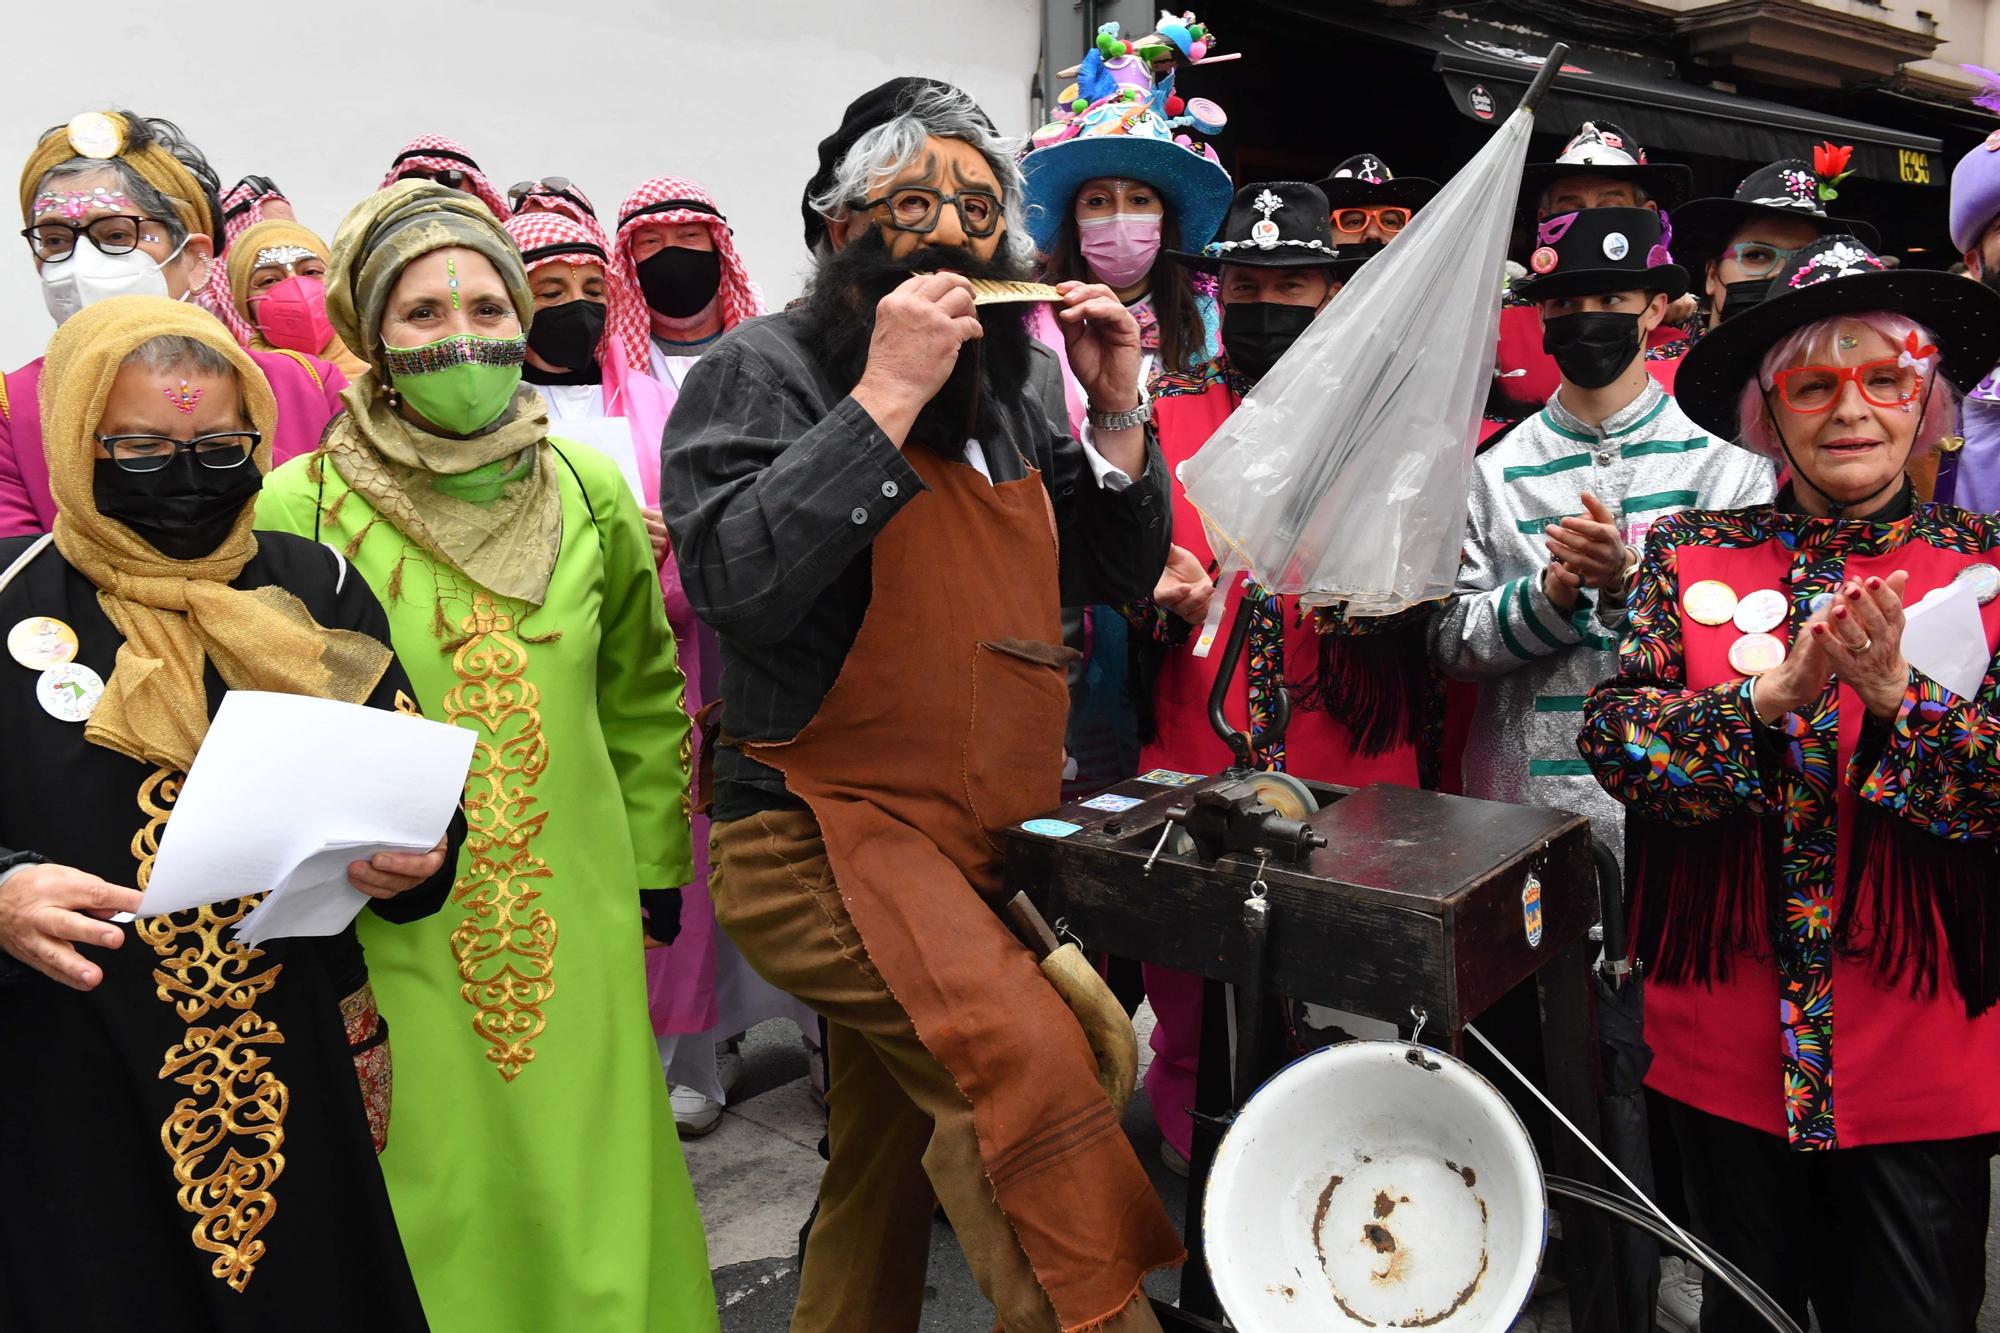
(1786, 189)
(1277, 224)
(1601, 250)
(1365, 181)
(1837, 275)
(1603, 149)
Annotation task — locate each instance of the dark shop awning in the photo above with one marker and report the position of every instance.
(1671, 117)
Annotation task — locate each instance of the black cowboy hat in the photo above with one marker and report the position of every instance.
(1603, 149)
(1277, 224)
(1601, 250)
(1785, 189)
(1365, 181)
(1837, 275)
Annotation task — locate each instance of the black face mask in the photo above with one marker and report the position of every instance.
(1257, 333)
(184, 510)
(679, 282)
(1591, 348)
(566, 335)
(1738, 297)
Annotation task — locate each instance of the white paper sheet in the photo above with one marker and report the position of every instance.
(1944, 638)
(611, 436)
(286, 791)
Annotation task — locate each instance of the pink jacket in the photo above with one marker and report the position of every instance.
(307, 389)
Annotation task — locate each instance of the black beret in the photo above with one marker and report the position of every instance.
(878, 106)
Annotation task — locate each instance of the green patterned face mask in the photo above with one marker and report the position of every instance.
(460, 384)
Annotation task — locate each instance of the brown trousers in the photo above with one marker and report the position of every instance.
(901, 1131)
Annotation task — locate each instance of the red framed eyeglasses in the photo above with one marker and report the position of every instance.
(1889, 382)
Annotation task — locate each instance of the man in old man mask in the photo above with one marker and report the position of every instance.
(877, 504)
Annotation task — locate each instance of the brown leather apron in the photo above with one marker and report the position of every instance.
(944, 727)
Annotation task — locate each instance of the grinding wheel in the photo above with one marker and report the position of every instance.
(1287, 795)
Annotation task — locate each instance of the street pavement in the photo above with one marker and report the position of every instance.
(755, 1177)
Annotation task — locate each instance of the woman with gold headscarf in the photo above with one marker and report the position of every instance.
(277, 281)
(535, 1170)
(182, 1132)
(116, 204)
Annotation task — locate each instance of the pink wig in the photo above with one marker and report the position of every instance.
(1814, 343)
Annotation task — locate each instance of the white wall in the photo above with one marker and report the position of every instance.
(735, 94)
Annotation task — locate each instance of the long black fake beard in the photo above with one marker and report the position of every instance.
(991, 371)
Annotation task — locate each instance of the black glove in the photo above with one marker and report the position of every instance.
(663, 913)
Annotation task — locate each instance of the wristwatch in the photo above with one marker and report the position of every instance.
(1138, 416)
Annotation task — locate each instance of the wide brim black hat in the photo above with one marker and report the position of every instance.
(1412, 192)
(1963, 315)
(1665, 183)
(1342, 267)
(1669, 278)
(1703, 226)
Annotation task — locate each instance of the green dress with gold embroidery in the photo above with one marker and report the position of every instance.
(532, 1157)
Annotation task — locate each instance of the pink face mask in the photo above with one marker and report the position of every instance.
(292, 315)
(1120, 249)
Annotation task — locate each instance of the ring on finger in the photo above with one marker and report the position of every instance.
(1862, 647)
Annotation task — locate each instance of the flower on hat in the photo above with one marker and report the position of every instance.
(1915, 354)
(1830, 165)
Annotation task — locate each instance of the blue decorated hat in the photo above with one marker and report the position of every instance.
(1123, 135)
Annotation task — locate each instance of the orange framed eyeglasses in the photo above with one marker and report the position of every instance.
(1354, 221)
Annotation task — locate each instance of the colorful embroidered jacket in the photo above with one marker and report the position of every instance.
(1534, 664)
(1812, 897)
(1365, 705)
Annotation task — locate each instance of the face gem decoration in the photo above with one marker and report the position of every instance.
(451, 278)
(73, 204)
(282, 255)
(183, 398)
(1848, 342)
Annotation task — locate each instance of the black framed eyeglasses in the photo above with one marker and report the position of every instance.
(54, 239)
(917, 208)
(449, 177)
(221, 450)
(556, 187)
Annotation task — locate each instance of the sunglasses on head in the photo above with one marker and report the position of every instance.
(548, 187)
(1354, 221)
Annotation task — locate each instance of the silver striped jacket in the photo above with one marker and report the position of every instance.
(1533, 663)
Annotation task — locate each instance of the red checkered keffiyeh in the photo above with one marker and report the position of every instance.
(215, 298)
(741, 298)
(626, 324)
(434, 152)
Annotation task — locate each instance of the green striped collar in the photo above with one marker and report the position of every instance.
(1652, 401)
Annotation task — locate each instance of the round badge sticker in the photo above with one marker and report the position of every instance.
(1482, 106)
(1761, 611)
(1616, 247)
(69, 693)
(40, 642)
(1754, 654)
(1709, 602)
(1543, 260)
(1265, 233)
(1985, 581)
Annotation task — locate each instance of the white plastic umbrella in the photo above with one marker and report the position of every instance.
(1342, 478)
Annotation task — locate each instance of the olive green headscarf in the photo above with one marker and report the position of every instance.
(509, 542)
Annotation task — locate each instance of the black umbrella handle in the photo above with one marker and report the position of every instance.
(1611, 907)
(1544, 77)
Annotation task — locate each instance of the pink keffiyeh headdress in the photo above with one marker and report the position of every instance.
(557, 238)
(242, 209)
(669, 201)
(434, 152)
